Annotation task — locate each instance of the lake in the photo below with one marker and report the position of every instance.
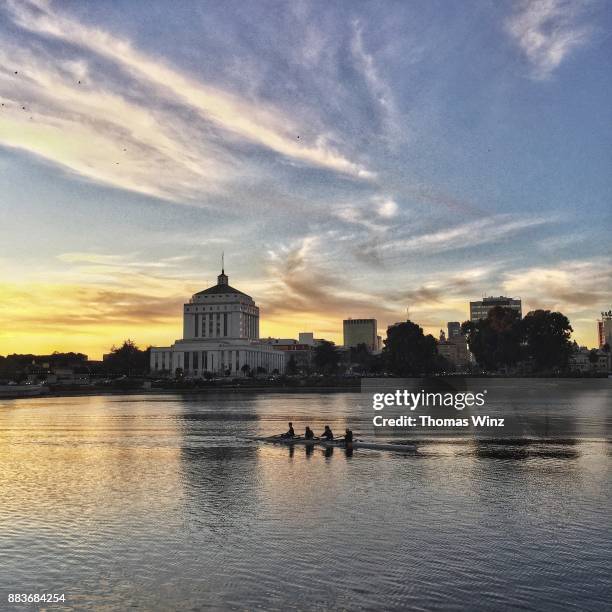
(161, 502)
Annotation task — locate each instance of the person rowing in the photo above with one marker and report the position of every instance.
(327, 434)
(308, 434)
(348, 438)
(290, 433)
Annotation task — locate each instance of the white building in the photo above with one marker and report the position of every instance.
(220, 336)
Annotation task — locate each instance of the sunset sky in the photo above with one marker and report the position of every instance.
(365, 159)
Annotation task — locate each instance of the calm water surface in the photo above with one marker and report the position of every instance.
(160, 503)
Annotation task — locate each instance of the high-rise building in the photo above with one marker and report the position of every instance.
(480, 309)
(604, 329)
(360, 331)
(454, 329)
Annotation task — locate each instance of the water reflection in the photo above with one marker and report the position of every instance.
(164, 502)
(521, 450)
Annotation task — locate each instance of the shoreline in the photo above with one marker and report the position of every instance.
(349, 386)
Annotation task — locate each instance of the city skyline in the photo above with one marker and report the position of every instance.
(350, 162)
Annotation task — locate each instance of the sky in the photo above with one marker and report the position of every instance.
(391, 159)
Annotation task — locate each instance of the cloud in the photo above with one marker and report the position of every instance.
(373, 216)
(580, 289)
(301, 282)
(238, 117)
(463, 236)
(122, 261)
(547, 31)
(89, 126)
(379, 89)
(386, 207)
(569, 286)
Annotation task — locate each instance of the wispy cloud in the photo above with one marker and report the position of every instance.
(122, 261)
(256, 122)
(578, 288)
(567, 286)
(57, 110)
(301, 281)
(547, 31)
(375, 214)
(393, 125)
(462, 236)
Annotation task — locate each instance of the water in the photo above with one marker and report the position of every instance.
(158, 503)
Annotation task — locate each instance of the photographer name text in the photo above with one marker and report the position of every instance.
(423, 400)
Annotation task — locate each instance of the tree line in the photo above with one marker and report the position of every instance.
(500, 342)
(540, 342)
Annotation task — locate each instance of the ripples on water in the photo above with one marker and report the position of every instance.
(161, 503)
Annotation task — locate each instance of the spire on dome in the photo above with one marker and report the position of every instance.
(222, 278)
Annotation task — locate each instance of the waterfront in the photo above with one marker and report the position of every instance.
(160, 502)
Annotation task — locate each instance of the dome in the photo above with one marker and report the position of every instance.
(221, 288)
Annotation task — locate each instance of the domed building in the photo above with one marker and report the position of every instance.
(220, 336)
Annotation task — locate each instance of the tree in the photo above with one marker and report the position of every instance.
(546, 336)
(593, 356)
(326, 357)
(361, 357)
(291, 366)
(261, 370)
(495, 341)
(408, 351)
(128, 359)
(246, 369)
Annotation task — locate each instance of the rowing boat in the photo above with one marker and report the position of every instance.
(385, 446)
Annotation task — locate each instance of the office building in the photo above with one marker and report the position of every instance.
(604, 329)
(454, 329)
(480, 308)
(360, 331)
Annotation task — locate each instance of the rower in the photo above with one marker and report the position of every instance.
(308, 433)
(328, 434)
(348, 437)
(290, 433)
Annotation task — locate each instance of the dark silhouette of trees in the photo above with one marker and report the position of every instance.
(326, 357)
(503, 339)
(17, 367)
(128, 359)
(361, 358)
(364, 361)
(495, 341)
(291, 366)
(408, 352)
(246, 369)
(546, 337)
